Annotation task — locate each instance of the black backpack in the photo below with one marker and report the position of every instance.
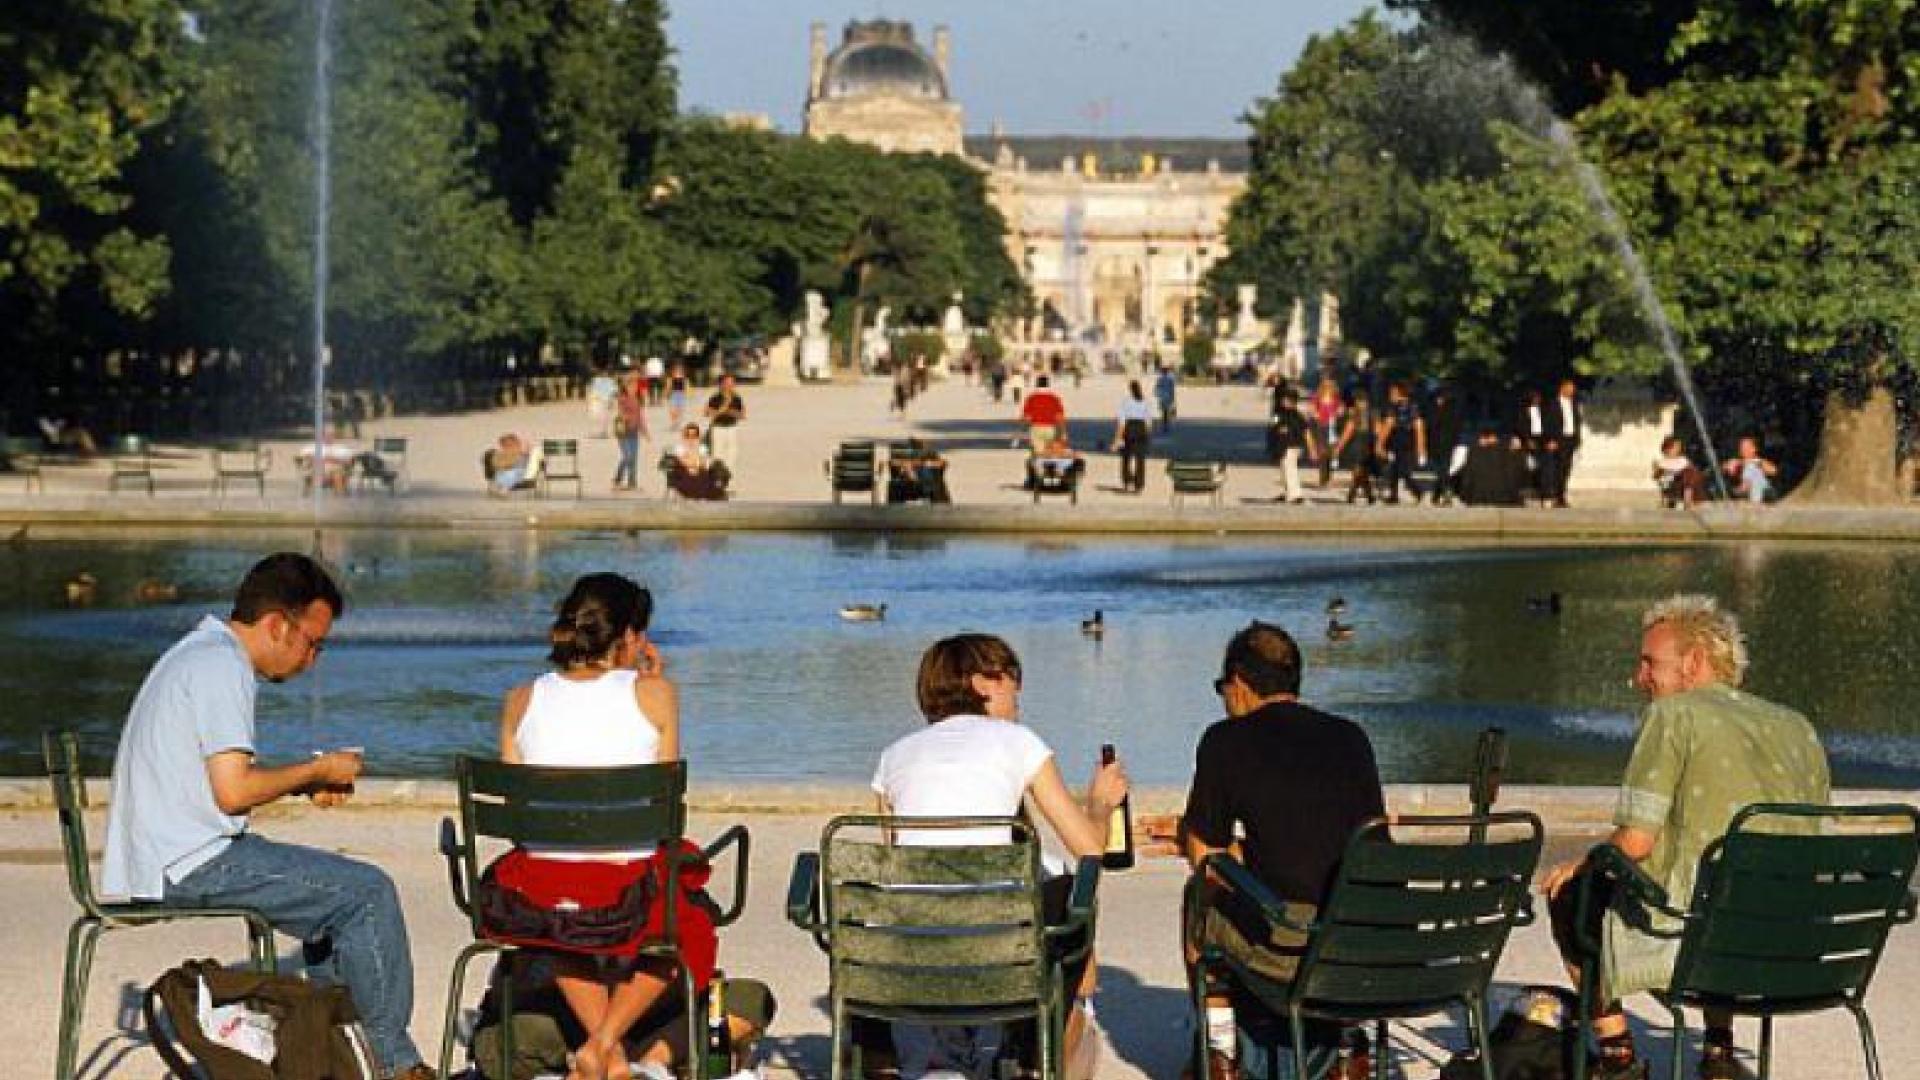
(1527, 1044)
(317, 1034)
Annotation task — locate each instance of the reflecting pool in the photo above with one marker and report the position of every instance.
(776, 687)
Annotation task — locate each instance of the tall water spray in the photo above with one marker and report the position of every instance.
(322, 134)
(1595, 191)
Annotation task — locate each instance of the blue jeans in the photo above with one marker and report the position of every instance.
(627, 471)
(317, 896)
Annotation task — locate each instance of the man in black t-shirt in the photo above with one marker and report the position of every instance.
(725, 409)
(1296, 782)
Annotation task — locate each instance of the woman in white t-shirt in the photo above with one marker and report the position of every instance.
(975, 759)
(607, 703)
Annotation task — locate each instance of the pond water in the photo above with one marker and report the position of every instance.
(775, 687)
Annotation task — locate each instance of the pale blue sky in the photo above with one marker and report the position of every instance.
(1161, 67)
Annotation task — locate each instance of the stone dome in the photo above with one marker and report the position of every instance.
(884, 68)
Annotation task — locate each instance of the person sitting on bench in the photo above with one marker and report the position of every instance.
(508, 466)
(917, 473)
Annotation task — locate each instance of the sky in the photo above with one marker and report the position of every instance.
(1036, 67)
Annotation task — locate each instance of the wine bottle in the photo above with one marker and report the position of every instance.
(1119, 852)
(719, 1049)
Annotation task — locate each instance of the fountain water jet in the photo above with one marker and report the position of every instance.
(1595, 191)
(322, 213)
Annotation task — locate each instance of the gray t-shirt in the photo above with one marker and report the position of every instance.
(163, 823)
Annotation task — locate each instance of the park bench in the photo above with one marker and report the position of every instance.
(240, 461)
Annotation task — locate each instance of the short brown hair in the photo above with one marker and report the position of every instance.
(945, 685)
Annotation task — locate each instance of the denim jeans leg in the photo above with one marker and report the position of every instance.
(313, 895)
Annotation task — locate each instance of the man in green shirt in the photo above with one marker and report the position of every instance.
(1705, 750)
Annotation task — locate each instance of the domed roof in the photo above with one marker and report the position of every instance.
(894, 70)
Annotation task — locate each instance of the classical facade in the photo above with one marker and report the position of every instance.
(1113, 234)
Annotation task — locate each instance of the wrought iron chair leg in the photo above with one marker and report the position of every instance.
(1679, 1035)
(456, 983)
(1381, 1055)
(73, 995)
(1298, 1027)
(1766, 1046)
(1867, 1042)
(696, 1049)
(1477, 1023)
(837, 1067)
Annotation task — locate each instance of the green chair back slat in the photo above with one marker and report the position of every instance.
(1778, 979)
(1350, 985)
(921, 946)
(1733, 934)
(390, 444)
(1808, 898)
(1392, 905)
(1414, 862)
(1433, 943)
(923, 985)
(1781, 856)
(570, 807)
(999, 905)
(885, 864)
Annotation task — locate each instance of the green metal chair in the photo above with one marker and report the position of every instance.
(940, 935)
(1790, 912)
(241, 462)
(854, 468)
(24, 461)
(1208, 478)
(560, 464)
(1415, 923)
(97, 916)
(132, 460)
(619, 807)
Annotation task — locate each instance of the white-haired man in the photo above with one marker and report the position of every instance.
(1705, 750)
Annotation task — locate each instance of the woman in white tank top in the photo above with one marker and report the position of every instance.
(608, 703)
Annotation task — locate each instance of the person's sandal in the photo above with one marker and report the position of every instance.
(1717, 1062)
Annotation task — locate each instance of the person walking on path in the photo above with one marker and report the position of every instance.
(656, 373)
(186, 780)
(1327, 410)
(1292, 438)
(1566, 424)
(1358, 432)
(1165, 386)
(1131, 435)
(1288, 784)
(1706, 749)
(629, 428)
(1402, 442)
(725, 410)
(676, 396)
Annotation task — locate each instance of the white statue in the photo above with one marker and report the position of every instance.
(816, 319)
(812, 332)
(1245, 322)
(874, 346)
(953, 331)
(954, 321)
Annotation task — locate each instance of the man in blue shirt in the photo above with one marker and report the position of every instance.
(185, 780)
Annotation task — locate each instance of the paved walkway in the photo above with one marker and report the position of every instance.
(1142, 1004)
(792, 430)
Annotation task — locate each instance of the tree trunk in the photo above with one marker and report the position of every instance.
(1856, 465)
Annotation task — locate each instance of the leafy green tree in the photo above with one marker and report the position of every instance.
(80, 82)
(1764, 163)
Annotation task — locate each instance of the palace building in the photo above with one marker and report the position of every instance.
(1113, 234)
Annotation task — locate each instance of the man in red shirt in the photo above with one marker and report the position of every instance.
(1044, 414)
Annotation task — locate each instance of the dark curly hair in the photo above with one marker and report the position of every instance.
(598, 610)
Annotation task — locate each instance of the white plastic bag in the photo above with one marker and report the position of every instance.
(237, 1027)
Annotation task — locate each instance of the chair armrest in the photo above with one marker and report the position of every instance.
(1525, 914)
(803, 898)
(1907, 909)
(735, 836)
(1609, 862)
(456, 858)
(1080, 908)
(1231, 873)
